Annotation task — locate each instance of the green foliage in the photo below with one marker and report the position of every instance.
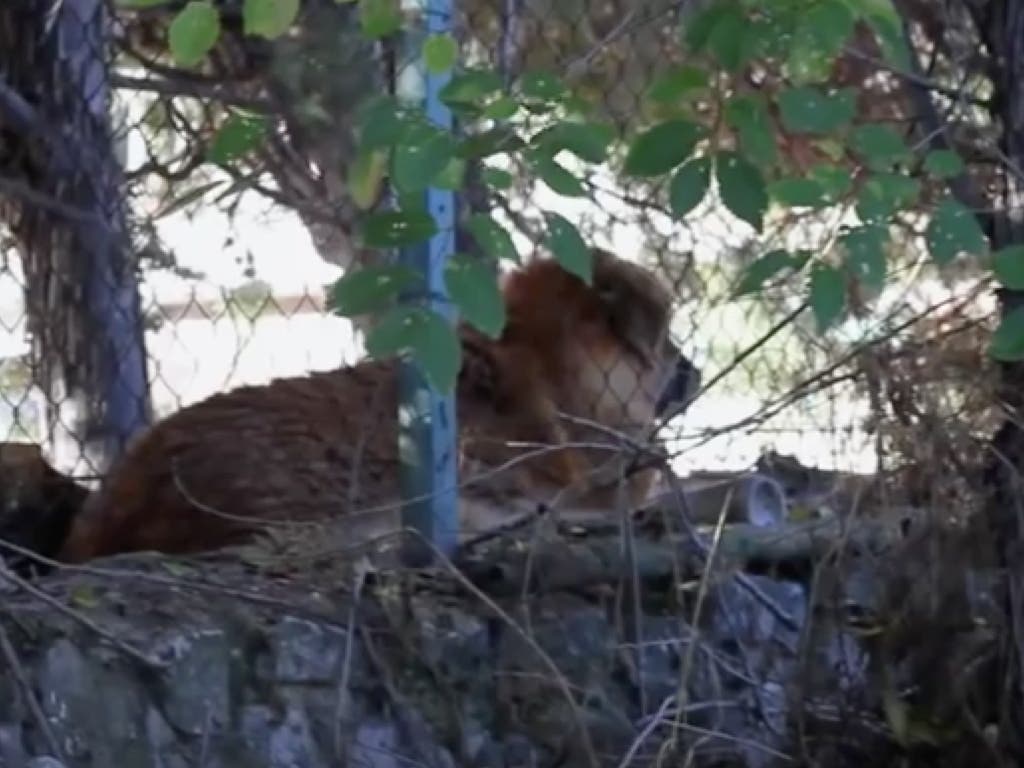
(677, 82)
(943, 163)
(422, 335)
(865, 254)
(827, 294)
(194, 32)
(492, 237)
(879, 145)
(689, 185)
(240, 134)
(661, 148)
(589, 141)
(379, 18)
(768, 266)
(953, 230)
(371, 289)
(742, 188)
(704, 119)
(422, 152)
(567, 245)
(1008, 267)
(472, 288)
(269, 18)
(797, 193)
(439, 53)
(542, 87)
(883, 195)
(818, 39)
(748, 116)
(366, 177)
(808, 109)
(555, 175)
(396, 229)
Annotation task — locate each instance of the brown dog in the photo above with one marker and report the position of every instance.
(324, 445)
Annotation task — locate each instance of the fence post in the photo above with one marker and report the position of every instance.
(111, 292)
(426, 419)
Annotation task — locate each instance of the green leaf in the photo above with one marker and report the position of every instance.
(887, 23)
(1008, 266)
(269, 18)
(834, 181)
(411, 202)
(696, 31)
(943, 163)
(953, 230)
(865, 254)
(366, 177)
(588, 141)
(381, 121)
(379, 18)
(394, 229)
(771, 33)
(366, 290)
(542, 86)
(496, 177)
(661, 148)
(493, 238)
(556, 176)
(671, 86)
(827, 295)
(819, 38)
(749, 117)
(239, 135)
(766, 267)
(879, 145)
(798, 193)
(883, 194)
(194, 32)
(440, 53)
(742, 188)
(568, 247)
(805, 109)
(422, 153)
(1007, 341)
(502, 108)
(451, 176)
(490, 142)
(424, 336)
(689, 185)
(471, 87)
(472, 286)
(727, 39)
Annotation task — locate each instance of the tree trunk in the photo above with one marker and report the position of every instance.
(1002, 27)
(82, 296)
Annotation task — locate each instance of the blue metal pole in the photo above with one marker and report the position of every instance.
(111, 292)
(427, 420)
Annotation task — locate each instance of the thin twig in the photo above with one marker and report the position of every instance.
(126, 648)
(15, 665)
(546, 660)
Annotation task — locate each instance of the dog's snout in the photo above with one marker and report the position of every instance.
(680, 389)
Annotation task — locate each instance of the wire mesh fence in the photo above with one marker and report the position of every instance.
(227, 193)
(271, 228)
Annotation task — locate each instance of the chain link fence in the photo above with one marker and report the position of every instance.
(154, 253)
(234, 259)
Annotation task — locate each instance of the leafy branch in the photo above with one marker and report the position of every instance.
(753, 112)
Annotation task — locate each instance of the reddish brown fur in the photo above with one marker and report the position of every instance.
(314, 447)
